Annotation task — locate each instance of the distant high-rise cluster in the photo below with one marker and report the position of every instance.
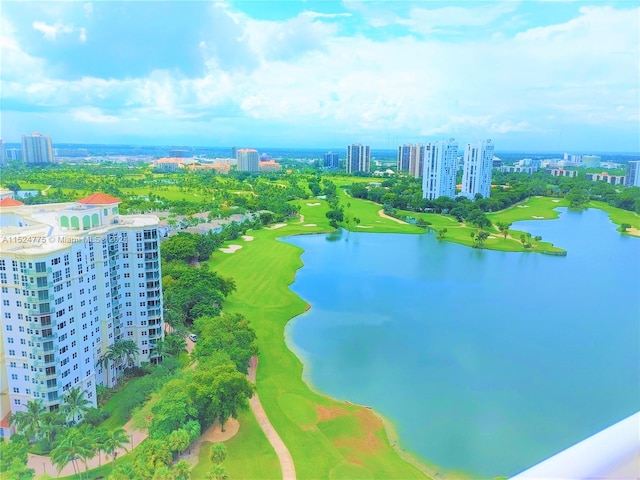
(411, 159)
(331, 160)
(440, 167)
(37, 149)
(633, 174)
(248, 160)
(358, 158)
(3, 154)
(478, 165)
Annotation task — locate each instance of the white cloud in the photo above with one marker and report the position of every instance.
(306, 73)
(93, 115)
(50, 32)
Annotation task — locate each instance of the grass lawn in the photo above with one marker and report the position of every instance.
(117, 407)
(249, 453)
(534, 208)
(264, 297)
(617, 215)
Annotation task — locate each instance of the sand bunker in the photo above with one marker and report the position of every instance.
(277, 225)
(230, 248)
(555, 201)
(313, 204)
(247, 238)
(523, 206)
(309, 225)
(536, 217)
(364, 226)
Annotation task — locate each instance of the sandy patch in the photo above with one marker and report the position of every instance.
(384, 215)
(327, 413)
(215, 434)
(536, 217)
(555, 201)
(230, 248)
(277, 225)
(523, 206)
(364, 226)
(247, 238)
(309, 225)
(370, 444)
(313, 204)
(633, 231)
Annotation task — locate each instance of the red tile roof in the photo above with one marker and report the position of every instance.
(99, 199)
(4, 423)
(10, 202)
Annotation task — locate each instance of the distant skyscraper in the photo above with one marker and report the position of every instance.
(179, 153)
(248, 160)
(234, 152)
(440, 167)
(37, 149)
(478, 164)
(331, 160)
(358, 158)
(411, 159)
(633, 174)
(3, 155)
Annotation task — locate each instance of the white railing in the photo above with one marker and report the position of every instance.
(613, 453)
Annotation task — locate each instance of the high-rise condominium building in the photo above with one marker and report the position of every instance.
(3, 154)
(411, 159)
(633, 174)
(331, 160)
(358, 158)
(440, 167)
(75, 278)
(37, 149)
(248, 160)
(478, 165)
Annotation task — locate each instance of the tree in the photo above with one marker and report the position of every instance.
(231, 333)
(220, 392)
(115, 440)
(625, 226)
(178, 441)
(73, 446)
(504, 227)
(14, 457)
(76, 404)
(217, 472)
(441, 233)
(29, 422)
(218, 453)
(181, 470)
(104, 361)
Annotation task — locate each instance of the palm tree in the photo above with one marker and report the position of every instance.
(104, 362)
(76, 404)
(73, 445)
(29, 422)
(217, 472)
(218, 453)
(100, 438)
(115, 440)
(52, 424)
(181, 470)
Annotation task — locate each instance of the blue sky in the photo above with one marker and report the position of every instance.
(531, 75)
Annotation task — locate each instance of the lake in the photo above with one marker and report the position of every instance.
(486, 362)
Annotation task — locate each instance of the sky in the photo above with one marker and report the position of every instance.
(530, 75)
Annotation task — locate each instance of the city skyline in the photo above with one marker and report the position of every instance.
(538, 76)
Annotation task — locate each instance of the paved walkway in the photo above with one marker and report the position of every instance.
(286, 461)
(43, 464)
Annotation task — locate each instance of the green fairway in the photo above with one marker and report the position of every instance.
(617, 215)
(534, 208)
(263, 270)
(249, 454)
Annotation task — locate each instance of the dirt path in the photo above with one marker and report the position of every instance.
(286, 461)
(389, 217)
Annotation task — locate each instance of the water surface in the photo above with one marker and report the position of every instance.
(486, 362)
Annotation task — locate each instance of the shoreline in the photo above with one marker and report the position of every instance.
(431, 470)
